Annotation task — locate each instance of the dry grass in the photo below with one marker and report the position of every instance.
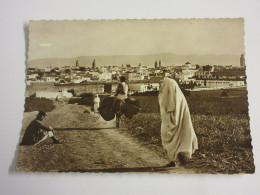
(205, 102)
(221, 125)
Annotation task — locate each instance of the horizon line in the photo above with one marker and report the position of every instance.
(134, 55)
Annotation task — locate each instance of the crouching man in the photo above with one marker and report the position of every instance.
(36, 132)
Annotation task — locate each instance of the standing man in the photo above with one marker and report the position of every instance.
(96, 103)
(36, 132)
(56, 99)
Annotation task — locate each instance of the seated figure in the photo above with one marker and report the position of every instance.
(36, 132)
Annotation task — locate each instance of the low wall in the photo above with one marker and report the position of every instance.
(79, 89)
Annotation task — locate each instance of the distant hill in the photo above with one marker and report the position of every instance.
(167, 59)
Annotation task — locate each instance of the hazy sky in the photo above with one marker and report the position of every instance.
(69, 39)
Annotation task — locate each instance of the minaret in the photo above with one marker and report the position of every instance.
(242, 60)
(155, 64)
(94, 65)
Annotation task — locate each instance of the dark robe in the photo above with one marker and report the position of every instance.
(35, 131)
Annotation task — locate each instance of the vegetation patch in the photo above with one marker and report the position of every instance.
(221, 125)
(38, 104)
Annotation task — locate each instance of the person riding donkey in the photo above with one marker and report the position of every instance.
(122, 89)
(121, 96)
(119, 104)
(36, 132)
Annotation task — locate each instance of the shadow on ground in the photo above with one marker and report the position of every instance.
(123, 170)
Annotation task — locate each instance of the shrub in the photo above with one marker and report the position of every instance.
(38, 104)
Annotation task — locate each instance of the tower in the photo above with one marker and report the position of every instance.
(94, 65)
(242, 60)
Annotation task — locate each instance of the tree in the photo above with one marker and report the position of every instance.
(41, 74)
(72, 91)
(207, 68)
(191, 85)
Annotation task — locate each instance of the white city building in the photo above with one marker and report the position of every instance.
(217, 84)
(105, 76)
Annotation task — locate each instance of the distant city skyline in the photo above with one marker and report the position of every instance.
(167, 59)
(70, 39)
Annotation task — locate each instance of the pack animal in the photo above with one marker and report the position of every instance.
(119, 109)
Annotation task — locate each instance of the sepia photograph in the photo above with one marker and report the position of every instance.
(125, 96)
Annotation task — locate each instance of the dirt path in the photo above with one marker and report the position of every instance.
(91, 145)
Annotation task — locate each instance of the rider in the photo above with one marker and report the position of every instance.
(122, 89)
(120, 96)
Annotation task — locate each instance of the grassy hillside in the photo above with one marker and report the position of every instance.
(221, 125)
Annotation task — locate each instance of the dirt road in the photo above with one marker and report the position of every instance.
(90, 144)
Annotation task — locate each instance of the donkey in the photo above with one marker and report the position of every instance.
(112, 106)
(129, 107)
(119, 109)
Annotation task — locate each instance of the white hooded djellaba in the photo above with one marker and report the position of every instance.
(178, 135)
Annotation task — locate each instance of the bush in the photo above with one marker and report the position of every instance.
(147, 93)
(86, 95)
(38, 104)
(72, 91)
(224, 94)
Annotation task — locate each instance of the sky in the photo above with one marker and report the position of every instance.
(70, 39)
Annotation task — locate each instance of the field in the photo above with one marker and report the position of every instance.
(221, 125)
(205, 102)
(93, 145)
